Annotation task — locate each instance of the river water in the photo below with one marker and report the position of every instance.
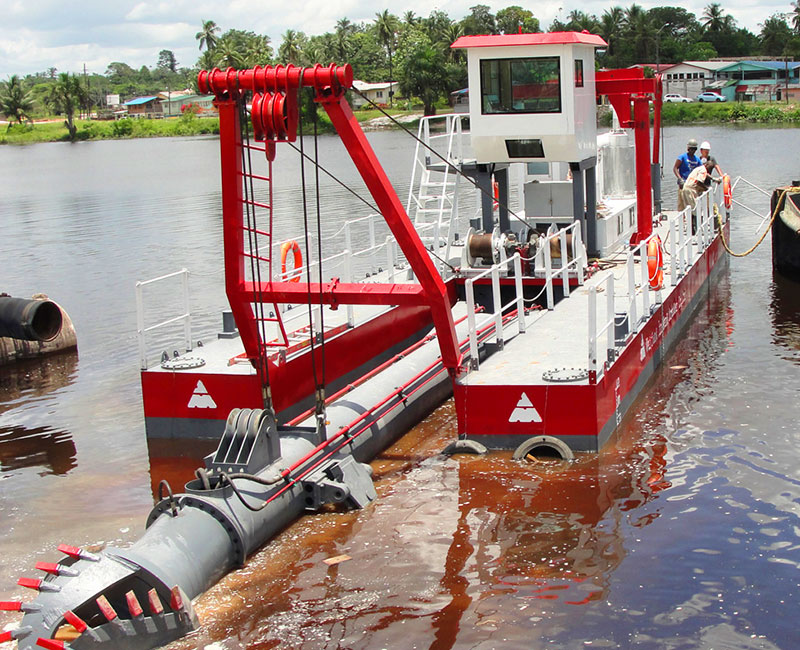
(684, 532)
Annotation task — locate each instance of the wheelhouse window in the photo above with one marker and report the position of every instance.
(579, 73)
(529, 85)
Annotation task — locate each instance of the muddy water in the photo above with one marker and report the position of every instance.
(682, 533)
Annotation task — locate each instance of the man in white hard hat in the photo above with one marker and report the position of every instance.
(696, 183)
(705, 156)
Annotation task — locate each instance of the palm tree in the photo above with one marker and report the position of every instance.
(15, 102)
(291, 49)
(640, 30)
(611, 23)
(66, 95)
(713, 19)
(411, 19)
(386, 25)
(207, 35)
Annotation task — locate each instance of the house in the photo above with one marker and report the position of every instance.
(176, 104)
(690, 78)
(758, 80)
(459, 100)
(376, 92)
(144, 107)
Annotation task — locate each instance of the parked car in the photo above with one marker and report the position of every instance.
(709, 96)
(675, 97)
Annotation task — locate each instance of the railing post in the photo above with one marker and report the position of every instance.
(673, 252)
(140, 326)
(371, 224)
(520, 295)
(498, 306)
(633, 316)
(593, 329)
(473, 337)
(548, 273)
(562, 240)
(610, 333)
(187, 323)
(578, 252)
(390, 257)
(348, 277)
(644, 260)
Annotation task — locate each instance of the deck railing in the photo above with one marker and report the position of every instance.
(185, 317)
(684, 248)
(576, 264)
(494, 317)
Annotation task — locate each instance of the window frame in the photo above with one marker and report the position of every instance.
(510, 61)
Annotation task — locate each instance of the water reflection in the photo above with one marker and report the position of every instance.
(785, 311)
(28, 379)
(175, 461)
(36, 447)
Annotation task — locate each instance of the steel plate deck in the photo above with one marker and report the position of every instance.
(558, 339)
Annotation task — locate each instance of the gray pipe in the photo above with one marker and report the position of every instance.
(29, 320)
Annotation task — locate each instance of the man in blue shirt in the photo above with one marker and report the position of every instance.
(686, 163)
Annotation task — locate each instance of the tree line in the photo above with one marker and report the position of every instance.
(412, 50)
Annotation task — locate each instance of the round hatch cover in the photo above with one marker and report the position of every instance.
(565, 374)
(182, 363)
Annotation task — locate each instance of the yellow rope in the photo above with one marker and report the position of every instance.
(778, 204)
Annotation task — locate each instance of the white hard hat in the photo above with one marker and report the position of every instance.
(705, 145)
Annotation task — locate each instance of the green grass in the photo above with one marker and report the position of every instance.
(730, 112)
(144, 128)
(102, 130)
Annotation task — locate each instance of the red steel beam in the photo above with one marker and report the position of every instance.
(388, 203)
(336, 293)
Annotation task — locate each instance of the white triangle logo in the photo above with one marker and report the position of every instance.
(201, 399)
(525, 411)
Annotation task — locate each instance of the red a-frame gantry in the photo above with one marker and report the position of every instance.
(274, 116)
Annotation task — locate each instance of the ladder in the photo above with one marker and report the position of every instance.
(433, 193)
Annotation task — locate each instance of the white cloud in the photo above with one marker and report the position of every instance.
(43, 33)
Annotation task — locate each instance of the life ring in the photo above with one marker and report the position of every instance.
(496, 195)
(727, 191)
(655, 262)
(298, 259)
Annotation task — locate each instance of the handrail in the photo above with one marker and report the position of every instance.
(596, 370)
(186, 316)
(578, 261)
(495, 317)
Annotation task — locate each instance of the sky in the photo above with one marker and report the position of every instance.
(36, 35)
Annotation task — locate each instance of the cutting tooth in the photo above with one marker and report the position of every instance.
(11, 635)
(37, 584)
(155, 602)
(56, 569)
(75, 621)
(133, 605)
(17, 606)
(78, 553)
(51, 644)
(176, 598)
(106, 608)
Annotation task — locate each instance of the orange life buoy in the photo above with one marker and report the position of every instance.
(655, 262)
(298, 259)
(496, 193)
(727, 191)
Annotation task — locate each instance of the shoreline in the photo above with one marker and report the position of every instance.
(673, 114)
(50, 130)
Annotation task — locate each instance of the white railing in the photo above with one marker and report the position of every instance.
(495, 317)
(684, 248)
(683, 244)
(443, 191)
(186, 316)
(576, 264)
(607, 327)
